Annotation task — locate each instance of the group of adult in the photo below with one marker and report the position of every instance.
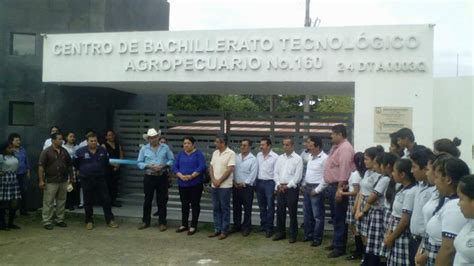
(275, 179)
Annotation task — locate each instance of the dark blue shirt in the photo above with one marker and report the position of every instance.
(91, 165)
(23, 165)
(187, 164)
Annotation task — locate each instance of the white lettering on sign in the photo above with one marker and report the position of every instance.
(288, 53)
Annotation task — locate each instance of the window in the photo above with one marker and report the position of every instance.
(21, 114)
(22, 44)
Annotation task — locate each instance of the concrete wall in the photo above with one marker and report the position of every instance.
(453, 113)
(71, 108)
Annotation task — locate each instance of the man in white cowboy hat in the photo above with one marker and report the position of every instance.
(155, 158)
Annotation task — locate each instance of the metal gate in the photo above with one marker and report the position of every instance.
(130, 125)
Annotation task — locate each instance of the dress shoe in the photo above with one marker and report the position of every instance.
(181, 229)
(214, 234)
(278, 236)
(292, 240)
(89, 226)
(116, 204)
(222, 236)
(336, 253)
(316, 244)
(143, 226)
(113, 224)
(61, 224)
(268, 234)
(234, 230)
(155, 214)
(192, 231)
(162, 227)
(48, 226)
(245, 232)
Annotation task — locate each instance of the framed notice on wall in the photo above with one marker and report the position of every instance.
(390, 119)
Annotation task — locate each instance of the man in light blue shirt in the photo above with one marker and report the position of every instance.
(156, 159)
(245, 173)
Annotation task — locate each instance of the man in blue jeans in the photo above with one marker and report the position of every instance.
(313, 203)
(266, 186)
(221, 170)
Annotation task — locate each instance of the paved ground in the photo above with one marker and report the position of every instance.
(127, 245)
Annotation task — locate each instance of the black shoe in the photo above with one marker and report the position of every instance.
(268, 234)
(278, 236)
(24, 213)
(71, 208)
(306, 239)
(48, 226)
(81, 206)
(336, 254)
(292, 240)
(61, 224)
(329, 248)
(316, 243)
(181, 229)
(245, 232)
(143, 226)
(4, 228)
(116, 204)
(155, 214)
(13, 226)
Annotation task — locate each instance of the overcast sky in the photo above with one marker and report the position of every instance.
(453, 19)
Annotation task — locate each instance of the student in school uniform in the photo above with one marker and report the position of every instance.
(448, 220)
(419, 158)
(429, 208)
(370, 207)
(353, 189)
(397, 239)
(387, 162)
(464, 243)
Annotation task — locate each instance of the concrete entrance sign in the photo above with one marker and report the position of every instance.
(389, 66)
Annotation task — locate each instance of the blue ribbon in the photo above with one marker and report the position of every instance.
(122, 161)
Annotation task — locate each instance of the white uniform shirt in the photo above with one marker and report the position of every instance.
(48, 143)
(288, 170)
(422, 196)
(447, 222)
(8, 163)
(266, 165)
(403, 202)
(315, 169)
(368, 182)
(354, 179)
(379, 190)
(430, 207)
(464, 245)
(71, 149)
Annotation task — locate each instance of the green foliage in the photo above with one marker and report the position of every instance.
(259, 103)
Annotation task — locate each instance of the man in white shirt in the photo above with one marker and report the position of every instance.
(288, 173)
(221, 170)
(265, 186)
(313, 204)
(245, 173)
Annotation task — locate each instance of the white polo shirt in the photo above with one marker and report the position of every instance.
(464, 245)
(447, 222)
(422, 196)
(266, 165)
(403, 202)
(354, 179)
(220, 161)
(368, 182)
(288, 170)
(380, 190)
(430, 207)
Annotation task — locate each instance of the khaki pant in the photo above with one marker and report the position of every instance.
(54, 192)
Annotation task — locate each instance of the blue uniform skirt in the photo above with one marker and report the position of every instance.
(399, 253)
(387, 221)
(363, 223)
(375, 232)
(350, 219)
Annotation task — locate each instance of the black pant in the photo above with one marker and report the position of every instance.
(338, 215)
(288, 199)
(74, 197)
(22, 182)
(190, 196)
(112, 183)
(160, 185)
(96, 186)
(242, 197)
